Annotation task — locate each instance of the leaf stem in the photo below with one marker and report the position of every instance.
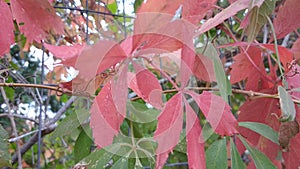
(281, 69)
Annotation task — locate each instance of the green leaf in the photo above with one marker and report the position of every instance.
(137, 4)
(113, 7)
(122, 163)
(66, 127)
(82, 146)
(261, 129)
(222, 80)
(286, 104)
(216, 155)
(4, 154)
(97, 159)
(10, 93)
(261, 161)
(236, 160)
(141, 113)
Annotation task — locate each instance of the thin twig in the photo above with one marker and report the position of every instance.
(48, 128)
(18, 116)
(55, 88)
(13, 125)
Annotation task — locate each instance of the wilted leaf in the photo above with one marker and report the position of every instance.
(258, 18)
(287, 131)
(38, 23)
(6, 27)
(216, 155)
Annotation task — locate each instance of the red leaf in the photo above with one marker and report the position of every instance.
(68, 54)
(187, 64)
(65, 52)
(105, 119)
(6, 27)
(168, 129)
(290, 10)
(204, 68)
(159, 33)
(164, 6)
(286, 56)
(119, 89)
(217, 113)
(39, 18)
(296, 49)
(99, 57)
(291, 158)
(264, 111)
(195, 10)
(146, 86)
(195, 145)
(192, 10)
(243, 69)
(225, 14)
(293, 80)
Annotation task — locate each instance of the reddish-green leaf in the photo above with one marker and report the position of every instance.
(264, 111)
(105, 119)
(217, 113)
(146, 85)
(195, 144)
(39, 19)
(6, 27)
(204, 68)
(168, 129)
(287, 18)
(186, 65)
(261, 160)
